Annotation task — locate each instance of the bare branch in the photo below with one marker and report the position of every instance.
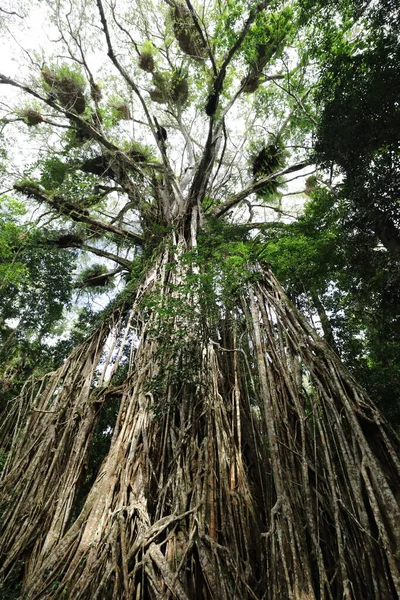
(124, 30)
(8, 12)
(299, 102)
(127, 264)
(121, 69)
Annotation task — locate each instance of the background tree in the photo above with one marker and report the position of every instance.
(203, 441)
(347, 286)
(357, 137)
(36, 288)
(359, 125)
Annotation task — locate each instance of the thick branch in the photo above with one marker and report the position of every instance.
(254, 187)
(203, 171)
(75, 212)
(127, 264)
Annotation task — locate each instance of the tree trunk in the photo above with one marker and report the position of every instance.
(325, 322)
(244, 463)
(387, 231)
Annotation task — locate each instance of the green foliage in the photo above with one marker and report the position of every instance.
(139, 152)
(68, 84)
(229, 22)
(95, 277)
(341, 261)
(326, 262)
(330, 13)
(359, 96)
(265, 161)
(302, 251)
(69, 71)
(148, 47)
(62, 179)
(170, 87)
(270, 33)
(120, 110)
(35, 292)
(38, 299)
(36, 284)
(53, 174)
(12, 237)
(359, 120)
(359, 126)
(88, 319)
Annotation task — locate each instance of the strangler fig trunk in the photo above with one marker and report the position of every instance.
(244, 461)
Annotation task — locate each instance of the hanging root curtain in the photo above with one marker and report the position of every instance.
(244, 462)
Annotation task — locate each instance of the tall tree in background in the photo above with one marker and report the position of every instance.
(360, 123)
(203, 441)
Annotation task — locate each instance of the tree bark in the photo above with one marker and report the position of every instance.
(228, 475)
